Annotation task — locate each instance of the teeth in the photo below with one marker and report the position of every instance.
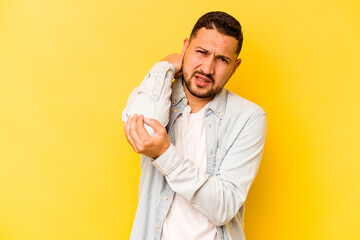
(200, 79)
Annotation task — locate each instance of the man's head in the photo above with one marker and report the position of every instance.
(210, 56)
(223, 23)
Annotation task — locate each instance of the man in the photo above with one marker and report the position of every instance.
(196, 173)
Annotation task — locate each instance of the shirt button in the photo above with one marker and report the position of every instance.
(174, 101)
(220, 114)
(165, 197)
(175, 110)
(183, 100)
(157, 226)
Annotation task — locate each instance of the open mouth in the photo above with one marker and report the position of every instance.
(201, 80)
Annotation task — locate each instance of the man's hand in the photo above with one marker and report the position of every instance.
(176, 60)
(141, 141)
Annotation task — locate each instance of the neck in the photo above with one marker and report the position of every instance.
(195, 103)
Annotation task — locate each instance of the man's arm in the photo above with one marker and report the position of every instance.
(152, 97)
(218, 197)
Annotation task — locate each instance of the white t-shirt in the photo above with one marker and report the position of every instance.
(183, 221)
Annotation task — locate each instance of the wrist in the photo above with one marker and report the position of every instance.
(162, 151)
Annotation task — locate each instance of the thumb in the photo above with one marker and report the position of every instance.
(154, 124)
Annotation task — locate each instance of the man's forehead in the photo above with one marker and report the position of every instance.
(211, 39)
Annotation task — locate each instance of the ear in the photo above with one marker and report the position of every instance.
(185, 46)
(237, 63)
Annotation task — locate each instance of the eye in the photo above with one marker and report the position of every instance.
(201, 51)
(224, 60)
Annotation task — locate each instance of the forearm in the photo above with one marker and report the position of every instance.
(219, 201)
(219, 196)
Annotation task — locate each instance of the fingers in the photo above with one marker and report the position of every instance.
(128, 135)
(159, 129)
(141, 131)
(136, 133)
(175, 60)
(132, 130)
(141, 141)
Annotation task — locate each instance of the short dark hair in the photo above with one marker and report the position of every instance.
(221, 22)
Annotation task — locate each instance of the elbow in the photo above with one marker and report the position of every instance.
(224, 215)
(228, 206)
(220, 221)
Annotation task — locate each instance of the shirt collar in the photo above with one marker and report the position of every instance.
(177, 92)
(217, 105)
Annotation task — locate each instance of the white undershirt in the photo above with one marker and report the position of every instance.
(183, 221)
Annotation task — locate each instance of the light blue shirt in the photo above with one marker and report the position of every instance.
(235, 135)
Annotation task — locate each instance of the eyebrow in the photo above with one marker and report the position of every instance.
(217, 55)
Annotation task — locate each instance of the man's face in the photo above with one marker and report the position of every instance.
(209, 60)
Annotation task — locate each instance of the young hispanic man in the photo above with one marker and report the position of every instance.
(196, 172)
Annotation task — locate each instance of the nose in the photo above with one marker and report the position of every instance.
(208, 65)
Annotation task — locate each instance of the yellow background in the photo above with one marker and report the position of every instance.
(67, 68)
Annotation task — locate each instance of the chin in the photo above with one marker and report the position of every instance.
(200, 93)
